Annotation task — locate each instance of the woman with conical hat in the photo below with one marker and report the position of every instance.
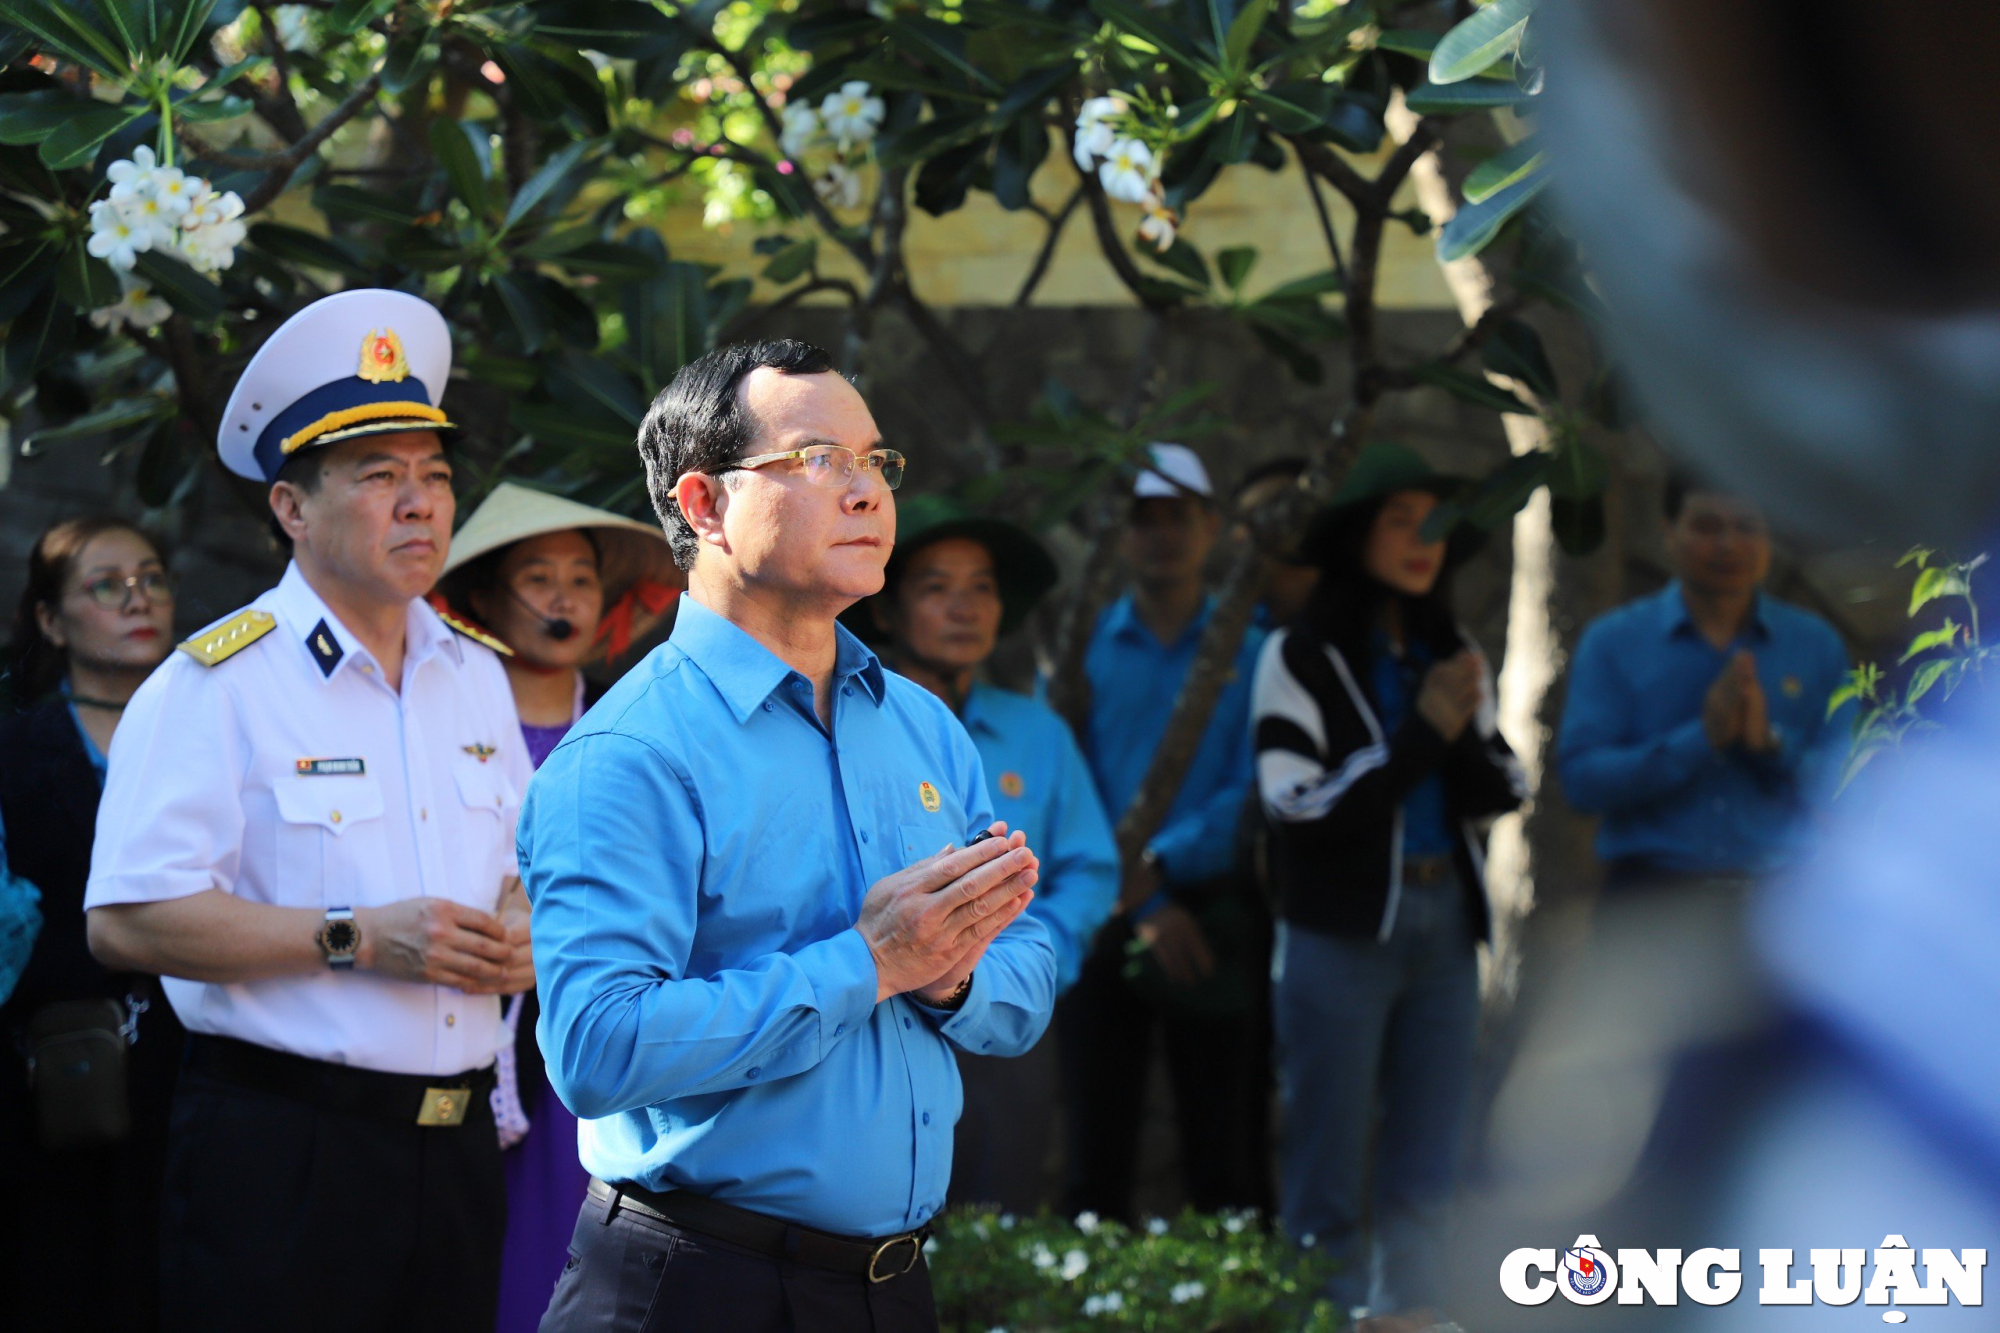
(1378, 767)
(562, 585)
(954, 585)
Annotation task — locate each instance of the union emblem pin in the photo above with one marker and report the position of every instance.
(1011, 784)
(929, 796)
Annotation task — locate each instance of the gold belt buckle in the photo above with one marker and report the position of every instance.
(883, 1248)
(444, 1106)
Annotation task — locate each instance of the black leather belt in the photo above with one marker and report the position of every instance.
(876, 1260)
(1427, 869)
(432, 1100)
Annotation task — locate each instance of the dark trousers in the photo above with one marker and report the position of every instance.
(1105, 1032)
(280, 1214)
(1000, 1150)
(629, 1273)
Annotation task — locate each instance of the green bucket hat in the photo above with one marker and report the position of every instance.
(1025, 569)
(1381, 470)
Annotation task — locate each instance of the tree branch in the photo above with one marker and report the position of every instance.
(282, 165)
(1039, 269)
(1326, 225)
(750, 319)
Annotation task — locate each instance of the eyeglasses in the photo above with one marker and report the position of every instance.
(832, 464)
(110, 591)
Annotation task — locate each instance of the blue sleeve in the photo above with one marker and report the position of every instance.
(1200, 841)
(613, 886)
(1014, 987)
(20, 921)
(1604, 767)
(1080, 863)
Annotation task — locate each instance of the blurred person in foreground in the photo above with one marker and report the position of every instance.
(1696, 718)
(761, 921)
(955, 584)
(1379, 766)
(308, 831)
(1191, 977)
(563, 585)
(90, 1054)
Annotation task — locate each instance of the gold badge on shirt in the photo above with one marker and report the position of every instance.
(1011, 784)
(480, 751)
(1793, 687)
(929, 796)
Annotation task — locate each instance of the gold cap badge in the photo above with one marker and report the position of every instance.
(382, 357)
(929, 796)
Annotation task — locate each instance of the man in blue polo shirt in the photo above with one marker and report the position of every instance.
(1696, 719)
(759, 921)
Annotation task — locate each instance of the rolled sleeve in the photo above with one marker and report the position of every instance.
(613, 885)
(163, 832)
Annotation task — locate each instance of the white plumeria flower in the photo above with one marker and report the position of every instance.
(1184, 1292)
(175, 190)
(147, 212)
(852, 115)
(1158, 227)
(116, 238)
(207, 208)
(1044, 1257)
(1087, 1223)
(801, 128)
(1127, 171)
(839, 186)
(1006, 1221)
(137, 309)
(1156, 1226)
(131, 176)
(1233, 1223)
(1111, 1302)
(213, 247)
(1094, 135)
(1074, 1264)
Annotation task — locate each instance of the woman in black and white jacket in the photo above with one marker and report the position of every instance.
(1378, 764)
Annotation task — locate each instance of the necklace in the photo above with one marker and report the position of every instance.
(82, 701)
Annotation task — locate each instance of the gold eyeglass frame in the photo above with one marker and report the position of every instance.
(875, 458)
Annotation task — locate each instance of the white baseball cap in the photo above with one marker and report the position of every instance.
(1175, 471)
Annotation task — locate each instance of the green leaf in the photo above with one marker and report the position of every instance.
(1942, 637)
(1289, 116)
(938, 44)
(562, 425)
(624, 29)
(353, 203)
(515, 374)
(1243, 30)
(792, 262)
(899, 75)
(120, 415)
(1018, 151)
(77, 140)
(1160, 34)
(524, 309)
(1234, 264)
(305, 249)
(1183, 259)
(1451, 99)
(1925, 677)
(1579, 525)
(21, 260)
(30, 117)
(1502, 169)
(537, 186)
(929, 139)
(1860, 688)
(461, 164)
(1313, 285)
(1475, 225)
(84, 282)
(667, 320)
(350, 16)
(1408, 41)
(1578, 471)
(180, 286)
(1475, 389)
(1935, 582)
(68, 32)
(1919, 556)
(606, 259)
(1475, 43)
(38, 335)
(413, 53)
(1515, 350)
(172, 47)
(227, 107)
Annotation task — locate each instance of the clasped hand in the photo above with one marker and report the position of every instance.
(928, 924)
(1735, 710)
(449, 944)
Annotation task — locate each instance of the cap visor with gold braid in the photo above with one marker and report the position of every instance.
(364, 362)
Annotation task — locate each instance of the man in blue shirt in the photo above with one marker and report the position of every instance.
(760, 925)
(1138, 659)
(956, 584)
(1696, 718)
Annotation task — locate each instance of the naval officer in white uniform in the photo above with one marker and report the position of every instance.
(308, 830)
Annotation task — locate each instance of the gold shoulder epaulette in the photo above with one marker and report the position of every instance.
(226, 638)
(474, 633)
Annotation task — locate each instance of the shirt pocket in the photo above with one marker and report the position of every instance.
(484, 787)
(330, 847)
(919, 841)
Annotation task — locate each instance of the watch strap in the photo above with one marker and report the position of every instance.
(339, 960)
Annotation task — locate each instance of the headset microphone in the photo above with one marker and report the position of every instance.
(556, 627)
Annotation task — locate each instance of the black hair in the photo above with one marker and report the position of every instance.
(305, 469)
(697, 424)
(1290, 467)
(480, 576)
(1683, 482)
(1345, 609)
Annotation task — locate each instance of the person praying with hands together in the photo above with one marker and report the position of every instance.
(765, 912)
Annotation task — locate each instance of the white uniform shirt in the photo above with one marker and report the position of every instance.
(207, 791)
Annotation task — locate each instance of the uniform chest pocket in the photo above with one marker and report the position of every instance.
(330, 847)
(920, 841)
(336, 804)
(484, 787)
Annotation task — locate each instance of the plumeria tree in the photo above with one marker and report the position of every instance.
(178, 175)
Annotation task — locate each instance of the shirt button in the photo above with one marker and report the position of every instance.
(864, 835)
(927, 1117)
(767, 705)
(756, 1070)
(335, 816)
(366, 669)
(424, 813)
(451, 1020)
(839, 1028)
(847, 689)
(906, 1022)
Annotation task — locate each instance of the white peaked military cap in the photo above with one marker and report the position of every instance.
(363, 362)
(1174, 470)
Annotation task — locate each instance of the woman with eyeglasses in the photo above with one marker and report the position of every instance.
(87, 1056)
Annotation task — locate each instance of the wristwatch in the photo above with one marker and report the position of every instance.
(957, 996)
(339, 938)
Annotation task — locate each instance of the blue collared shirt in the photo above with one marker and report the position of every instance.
(696, 851)
(1632, 746)
(1040, 785)
(1134, 681)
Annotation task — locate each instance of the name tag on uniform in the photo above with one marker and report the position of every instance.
(322, 768)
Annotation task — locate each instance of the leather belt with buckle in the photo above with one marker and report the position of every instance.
(1427, 870)
(431, 1100)
(878, 1260)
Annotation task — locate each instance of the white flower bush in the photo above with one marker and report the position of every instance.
(840, 186)
(1127, 171)
(801, 127)
(1126, 167)
(842, 128)
(1111, 1302)
(1094, 132)
(1183, 1292)
(155, 207)
(137, 309)
(852, 115)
